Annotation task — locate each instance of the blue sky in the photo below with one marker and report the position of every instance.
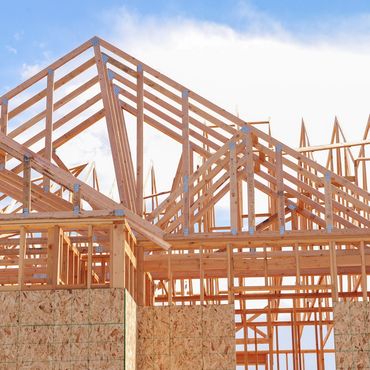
(31, 31)
(290, 59)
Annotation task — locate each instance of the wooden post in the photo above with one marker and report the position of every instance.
(333, 271)
(140, 281)
(62, 261)
(234, 208)
(321, 335)
(201, 280)
(78, 269)
(328, 202)
(280, 187)
(169, 252)
(49, 123)
(118, 256)
(250, 178)
(133, 278)
(230, 273)
(270, 359)
(3, 128)
(140, 141)
(22, 255)
(26, 185)
(185, 161)
(297, 261)
(277, 347)
(127, 271)
(89, 255)
(76, 198)
(293, 335)
(54, 255)
(70, 265)
(363, 271)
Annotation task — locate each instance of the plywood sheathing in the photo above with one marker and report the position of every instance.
(218, 343)
(130, 332)
(186, 337)
(352, 335)
(62, 329)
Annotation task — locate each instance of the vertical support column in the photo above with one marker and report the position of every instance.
(127, 268)
(49, 123)
(63, 260)
(185, 161)
(250, 179)
(230, 273)
(317, 352)
(240, 205)
(169, 252)
(280, 187)
(363, 271)
(293, 335)
(76, 199)
(118, 256)
(89, 255)
(26, 184)
(333, 271)
(22, 254)
(148, 291)
(70, 265)
(133, 278)
(328, 203)
(270, 331)
(140, 280)
(321, 336)
(140, 140)
(201, 275)
(298, 265)
(277, 347)
(234, 209)
(3, 128)
(266, 268)
(53, 258)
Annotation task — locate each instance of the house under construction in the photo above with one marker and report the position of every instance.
(172, 278)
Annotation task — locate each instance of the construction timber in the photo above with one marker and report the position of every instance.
(292, 242)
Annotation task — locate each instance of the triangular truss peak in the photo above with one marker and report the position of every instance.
(245, 219)
(238, 159)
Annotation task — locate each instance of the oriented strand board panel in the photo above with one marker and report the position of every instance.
(186, 337)
(352, 335)
(130, 332)
(62, 329)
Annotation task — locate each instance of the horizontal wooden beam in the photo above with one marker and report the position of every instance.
(268, 238)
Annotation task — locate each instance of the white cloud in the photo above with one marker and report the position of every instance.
(262, 75)
(257, 22)
(11, 49)
(18, 35)
(29, 70)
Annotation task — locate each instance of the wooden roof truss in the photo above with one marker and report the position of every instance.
(292, 239)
